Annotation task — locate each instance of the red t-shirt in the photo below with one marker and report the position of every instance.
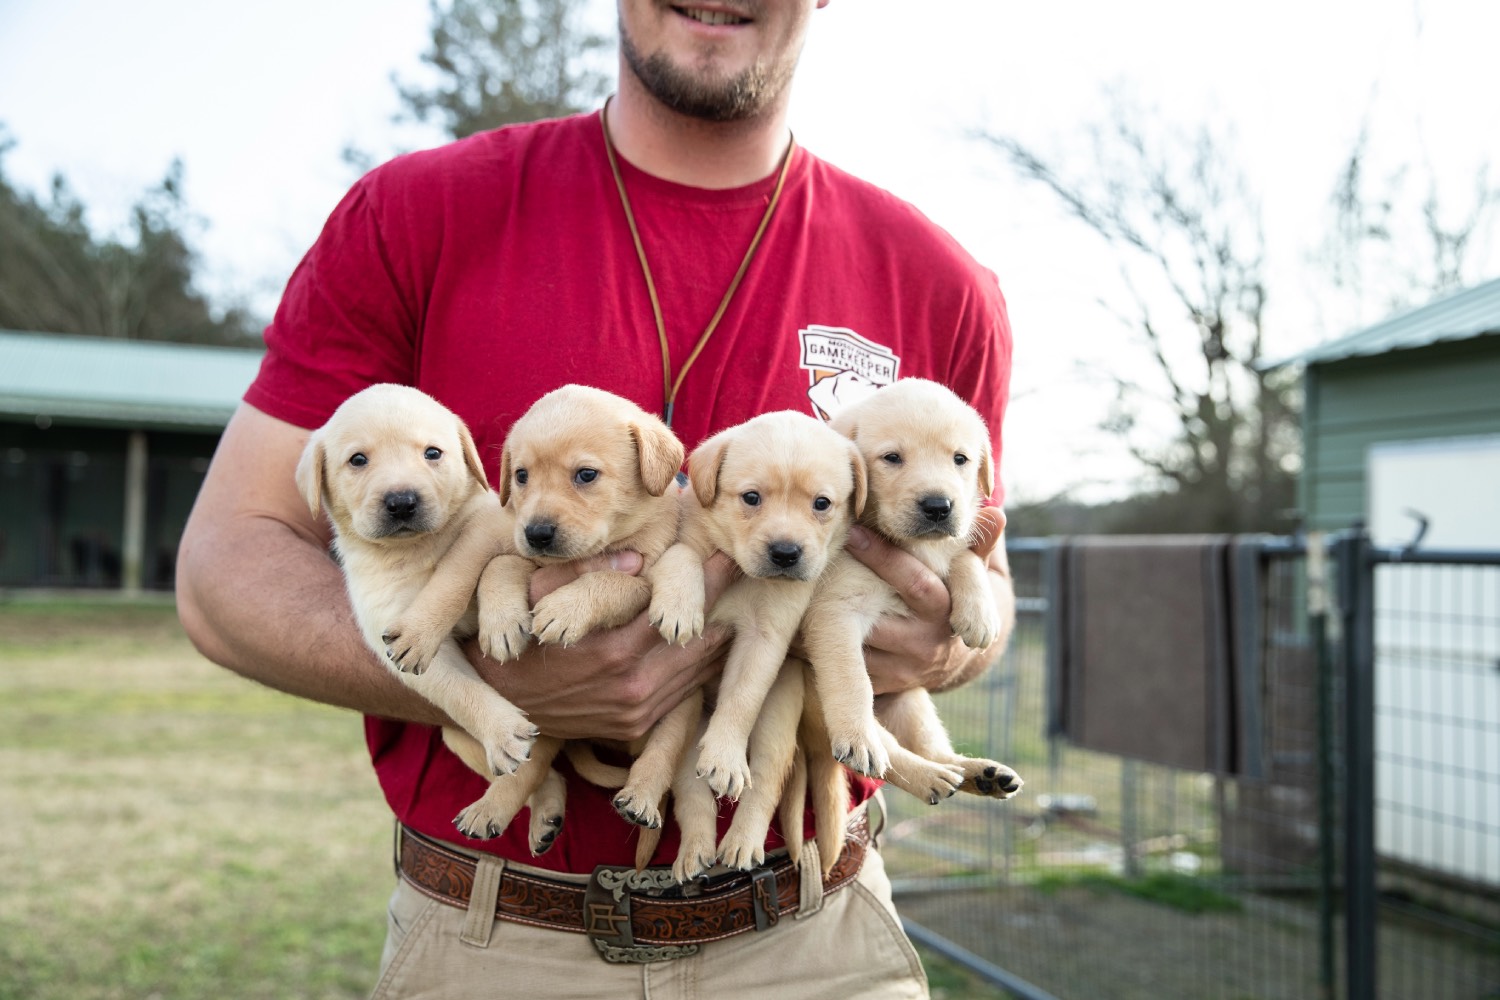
(497, 268)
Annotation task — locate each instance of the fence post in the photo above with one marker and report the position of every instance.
(1317, 628)
(1357, 610)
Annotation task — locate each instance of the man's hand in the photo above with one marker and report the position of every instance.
(614, 683)
(921, 650)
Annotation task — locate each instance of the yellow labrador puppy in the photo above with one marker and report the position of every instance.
(402, 483)
(930, 468)
(777, 494)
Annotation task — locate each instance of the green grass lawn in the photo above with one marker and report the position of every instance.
(175, 832)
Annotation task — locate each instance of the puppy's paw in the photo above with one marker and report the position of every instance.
(742, 851)
(504, 637)
(990, 779)
(976, 622)
(481, 822)
(929, 781)
(635, 808)
(726, 771)
(561, 618)
(507, 743)
(678, 622)
(861, 751)
(410, 646)
(694, 858)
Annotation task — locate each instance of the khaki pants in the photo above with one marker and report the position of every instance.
(851, 948)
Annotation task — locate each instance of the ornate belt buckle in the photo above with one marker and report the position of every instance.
(606, 914)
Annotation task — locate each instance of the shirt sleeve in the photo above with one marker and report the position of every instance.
(981, 362)
(346, 320)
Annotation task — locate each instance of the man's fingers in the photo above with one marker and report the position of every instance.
(919, 587)
(548, 578)
(989, 528)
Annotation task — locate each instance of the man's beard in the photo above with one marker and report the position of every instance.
(739, 98)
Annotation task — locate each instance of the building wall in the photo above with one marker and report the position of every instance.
(1439, 391)
(62, 494)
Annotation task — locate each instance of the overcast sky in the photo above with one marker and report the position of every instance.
(257, 100)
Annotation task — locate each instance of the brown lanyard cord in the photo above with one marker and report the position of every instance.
(669, 385)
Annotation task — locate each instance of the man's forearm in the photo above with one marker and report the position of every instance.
(267, 603)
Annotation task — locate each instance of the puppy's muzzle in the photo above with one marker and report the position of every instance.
(931, 515)
(784, 555)
(540, 535)
(402, 505)
(935, 508)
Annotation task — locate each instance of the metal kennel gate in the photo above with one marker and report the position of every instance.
(1360, 859)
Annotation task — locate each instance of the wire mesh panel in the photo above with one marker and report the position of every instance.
(1112, 877)
(1437, 775)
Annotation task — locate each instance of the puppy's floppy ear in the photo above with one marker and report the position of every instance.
(472, 461)
(987, 470)
(505, 474)
(310, 472)
(703, 467)
(861, 479)
(660, 454)
(845, 422)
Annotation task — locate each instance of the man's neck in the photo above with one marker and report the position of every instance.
(686, 150)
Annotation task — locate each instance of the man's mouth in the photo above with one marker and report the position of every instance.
(713, 17)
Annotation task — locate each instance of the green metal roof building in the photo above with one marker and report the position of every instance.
(103, 445)
(1428, 375)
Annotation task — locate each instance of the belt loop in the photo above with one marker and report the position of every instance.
(810, 875)
(877, 801)
(480, 920)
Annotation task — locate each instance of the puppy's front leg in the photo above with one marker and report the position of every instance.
(974, 618)
(412, 640)
(601, 599)
(453, 685)
(505, 607)
(678, 593)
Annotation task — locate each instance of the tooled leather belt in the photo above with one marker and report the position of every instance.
(631, 916)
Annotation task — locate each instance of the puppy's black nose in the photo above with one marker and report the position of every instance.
(785, 554)
(935, 508)
(540, 535)
(401, 504)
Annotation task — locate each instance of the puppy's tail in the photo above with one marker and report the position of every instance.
(793, 806)
(646, 842)
(593, 770)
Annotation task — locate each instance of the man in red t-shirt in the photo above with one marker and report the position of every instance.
(677, 249)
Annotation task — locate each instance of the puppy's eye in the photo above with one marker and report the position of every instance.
(960, 458)
(751, 498)
(358, 460)
(585, 476)
(432, 454)
(520, 477)
(891, 458)
(822, 503)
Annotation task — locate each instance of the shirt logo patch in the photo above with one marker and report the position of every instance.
(843, 367)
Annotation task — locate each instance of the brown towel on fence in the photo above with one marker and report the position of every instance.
(1143, 661)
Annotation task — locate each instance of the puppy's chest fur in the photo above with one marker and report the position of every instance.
(867, 597)
(384, 581)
